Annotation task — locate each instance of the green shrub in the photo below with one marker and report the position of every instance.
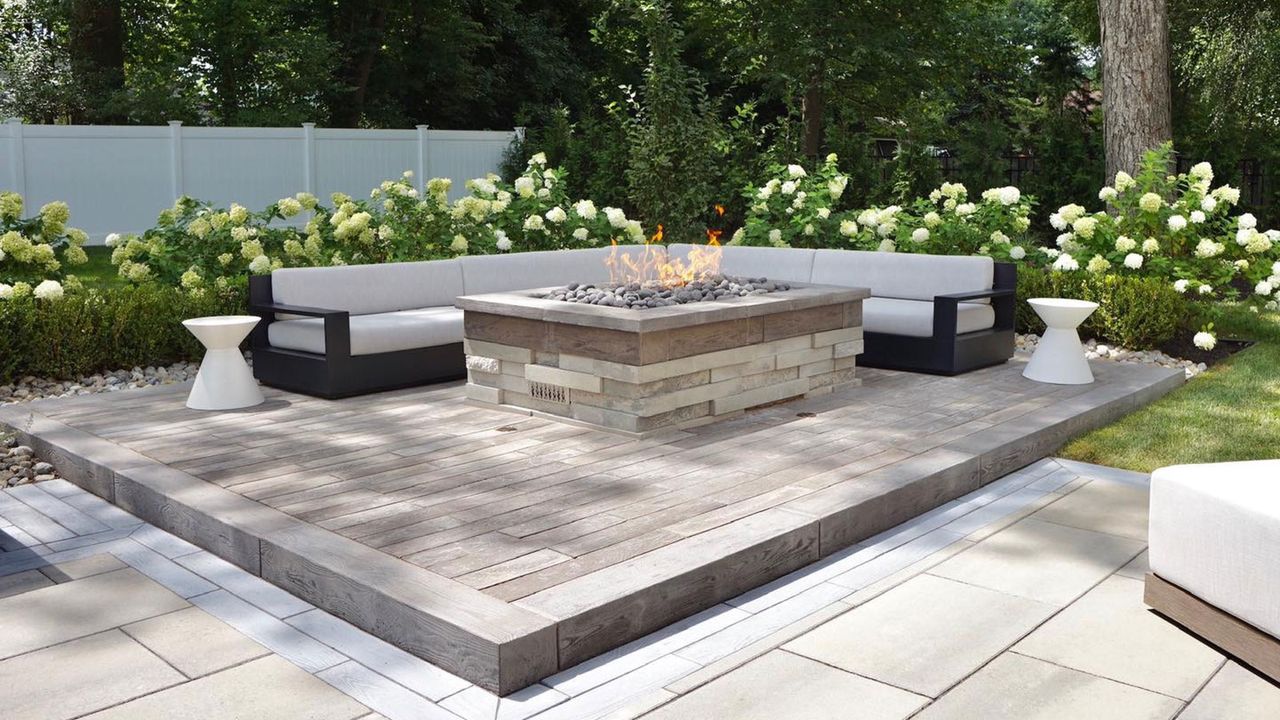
(1136, 313)
(94, 330)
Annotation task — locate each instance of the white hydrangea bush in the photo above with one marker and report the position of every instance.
(1178, 228)
(199, 246)
(795, 207)
(799, 209)
(36, 251)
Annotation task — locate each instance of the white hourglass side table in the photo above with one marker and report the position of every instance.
(1059, 358)
(225, 381)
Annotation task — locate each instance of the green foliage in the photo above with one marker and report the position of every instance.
(671, 135)
(1136, 313)
(105, 329)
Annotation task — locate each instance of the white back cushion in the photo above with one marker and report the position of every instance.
(548, 268)
(903, 275)
(367, 289)
(786, 264)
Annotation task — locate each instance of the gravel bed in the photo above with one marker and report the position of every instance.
(33, 388)
(19, 464)
(1095, 350)
(637, 296)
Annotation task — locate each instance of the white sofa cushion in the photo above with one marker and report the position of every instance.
(1215, 532)
(915, 317)
(785, 264)
(903, 275)
(365, 289)
(378, 333)
(548, 268)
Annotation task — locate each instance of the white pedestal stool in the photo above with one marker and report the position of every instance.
(225, 381)
(1059, 358)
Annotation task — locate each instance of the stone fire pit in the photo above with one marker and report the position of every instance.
(670, 366)
(642, 296)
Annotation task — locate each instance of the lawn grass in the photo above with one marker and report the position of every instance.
(1231, 412)
(98, 272)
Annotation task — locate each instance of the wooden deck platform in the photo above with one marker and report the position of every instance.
(505, 547)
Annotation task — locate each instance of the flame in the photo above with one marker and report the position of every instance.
(651, 266)
(719, 210)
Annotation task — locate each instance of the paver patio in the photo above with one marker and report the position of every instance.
(105, 631)
(505, 548)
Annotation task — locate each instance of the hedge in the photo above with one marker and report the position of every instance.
(95, 330)
(1134, 312)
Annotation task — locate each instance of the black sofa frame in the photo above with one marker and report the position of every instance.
(947, 353)
(338, 373)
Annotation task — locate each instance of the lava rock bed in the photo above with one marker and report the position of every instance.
(639, 296)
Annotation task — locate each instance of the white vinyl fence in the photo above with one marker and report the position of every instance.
(117, 178)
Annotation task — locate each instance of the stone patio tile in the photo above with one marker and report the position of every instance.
(1137, 568)
(762, 624)
(414, 673)
(783, 685)
(83, 568)
(616, 694)
(243, 584)
(307, 653)
(476, 703)
(1102, 472)
(163, 570)
(1042, 561)
(21, 582)
(1236, 693)
(80, 676)
(82, 607)
(379, 693)
(1016, 686)
(1103, 506)
(924, 635)
(269, 688)
(57, 510)
(195, 642)
(1109, 632)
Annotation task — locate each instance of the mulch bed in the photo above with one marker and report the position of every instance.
(1182, 347)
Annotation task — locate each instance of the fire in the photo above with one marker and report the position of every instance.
(652, 266)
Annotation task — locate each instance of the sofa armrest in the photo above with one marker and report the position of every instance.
(946, 308)
(337, 326)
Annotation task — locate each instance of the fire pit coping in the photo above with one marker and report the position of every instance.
(531, 305)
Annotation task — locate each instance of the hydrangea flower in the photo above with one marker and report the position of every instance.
(1124, 181)
(1177, 223)
(617, 218)
(1205, 340)
(1097, 265)
(1150, 245)
(459, 244)
(585, 209)
(919, 235)
(932, 219)
(848, 228)
(796, 171)
(6, 291)
(1263, 288)
(503, 242)
(1065, 263)
(581, 234)
(557, 214)
(1150, 202)
(1017, 252)
(260, 265)
(1181, 285)
(887, 245)
(1107, 194)
(1133, 261)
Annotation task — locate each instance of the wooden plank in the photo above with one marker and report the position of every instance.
(1255, 648)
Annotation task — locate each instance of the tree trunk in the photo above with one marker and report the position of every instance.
(365, 27)
(1135, 80)
(97, 59)
(813, 111)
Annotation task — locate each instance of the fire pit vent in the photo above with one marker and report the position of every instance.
(547, 392)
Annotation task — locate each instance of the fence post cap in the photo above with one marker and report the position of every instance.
(175, 123)
(308, 124)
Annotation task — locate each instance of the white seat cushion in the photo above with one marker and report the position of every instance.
(1215, 532)
(903, 275)
(370, 334)
(523, 271)
(915, 317)
(785, 264)
(366, 289)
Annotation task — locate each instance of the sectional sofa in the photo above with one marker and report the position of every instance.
(341, 331)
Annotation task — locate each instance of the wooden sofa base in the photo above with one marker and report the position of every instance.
(317, 375)
(1246, 643)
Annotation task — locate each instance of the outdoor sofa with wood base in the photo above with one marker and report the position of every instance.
(347, 330)
(1215, 556)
